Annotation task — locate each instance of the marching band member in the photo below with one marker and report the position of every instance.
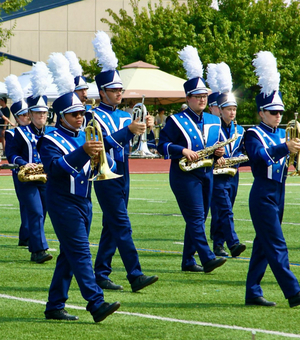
(66, 156)
(267, 150)
(118, 129)
(19, 109)
(225, 186)
(184, 134)
(25, 154)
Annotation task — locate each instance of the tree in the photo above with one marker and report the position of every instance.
(233, 34)
(9, 6)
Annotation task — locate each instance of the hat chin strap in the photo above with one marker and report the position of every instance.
(107, 98)
(67, 123)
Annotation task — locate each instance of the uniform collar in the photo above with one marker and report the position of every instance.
(267, 128)
(224, 124)
(194, 115)
(107, 107)
(68, 131)
(36, 131)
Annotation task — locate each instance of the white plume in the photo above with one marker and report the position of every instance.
(211, 77)
(39, 79)
(14, 88)
(266, 70)
(62, 77)
(224, 78)
(75, 67)
(191, 62)
(104, 52)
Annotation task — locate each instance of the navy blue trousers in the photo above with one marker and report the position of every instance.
(116, 232)
(24, 227)
(71, 220)
(193, 194)
(266, 203)
(222, 224)
(33, 196)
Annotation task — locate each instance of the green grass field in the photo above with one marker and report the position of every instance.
(179, 306)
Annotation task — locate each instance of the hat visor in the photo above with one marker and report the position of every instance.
(81, 87)
(73, 108)
(114, 86)
(228, 104)
(273, 107)
(21, 112)
(199, 91)
(39, 108)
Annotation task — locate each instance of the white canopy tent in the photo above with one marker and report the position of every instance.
(158, 87)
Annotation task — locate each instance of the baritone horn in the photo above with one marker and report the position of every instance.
(292, 131)
(142, 151)
(92, 130)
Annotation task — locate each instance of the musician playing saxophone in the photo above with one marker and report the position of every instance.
(225, 185)
(184, 134)
(24, 150)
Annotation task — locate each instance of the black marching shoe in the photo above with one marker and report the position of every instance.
(213, 264)
(237, 249)
(40, 257)
(142, 282)
(294, 300)
(108, 284)
(260, 301)
(105, 310)
(194, 268)
(60, 314)
(220, 251)
(23, 243)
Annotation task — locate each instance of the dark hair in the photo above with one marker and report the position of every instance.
(161, 109)
(4, 99)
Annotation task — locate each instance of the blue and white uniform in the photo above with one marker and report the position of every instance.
(69, 206)
(113, 196)
(192, 189)
(267, 151)
(225, 189)
(23, 151)
(24, 227)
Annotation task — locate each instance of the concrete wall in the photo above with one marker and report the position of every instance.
(65, 28)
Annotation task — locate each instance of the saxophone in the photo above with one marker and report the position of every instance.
(29, 174)
(225, 169)
(202, 161)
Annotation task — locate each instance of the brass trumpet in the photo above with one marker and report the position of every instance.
(292, 131)
(92, 129)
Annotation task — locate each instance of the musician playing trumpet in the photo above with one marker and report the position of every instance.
(186, 133)
(117, 129)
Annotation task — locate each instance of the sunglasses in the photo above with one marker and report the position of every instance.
(76, 113)
(275, 112)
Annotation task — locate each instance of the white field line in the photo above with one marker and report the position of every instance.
(160, 318)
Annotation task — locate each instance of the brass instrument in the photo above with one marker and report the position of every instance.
(292, 131)
(225, 169)
(202, 161)
(142, 151)
(37, 173)
(104, 171)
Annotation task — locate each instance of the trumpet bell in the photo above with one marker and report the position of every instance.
(104, 173)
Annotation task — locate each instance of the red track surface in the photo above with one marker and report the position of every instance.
(139, 166)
